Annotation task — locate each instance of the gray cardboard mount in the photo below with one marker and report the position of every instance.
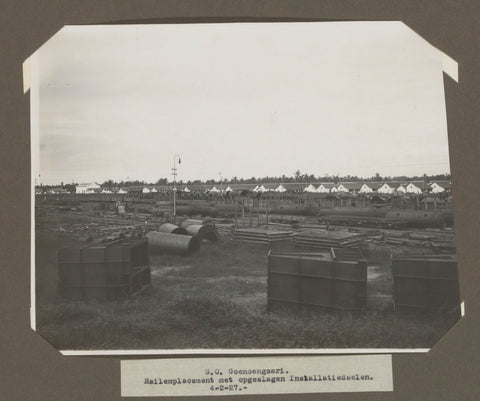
(32, 370)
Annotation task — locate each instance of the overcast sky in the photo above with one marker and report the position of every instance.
(243, 99)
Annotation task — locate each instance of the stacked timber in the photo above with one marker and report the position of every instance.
(442, 242)
(328, 239)
(261, 236)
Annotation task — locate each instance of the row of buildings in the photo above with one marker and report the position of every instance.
(384, 187)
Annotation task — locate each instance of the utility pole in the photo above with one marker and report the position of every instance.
(174, 173)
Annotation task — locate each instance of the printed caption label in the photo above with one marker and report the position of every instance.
(256, 375)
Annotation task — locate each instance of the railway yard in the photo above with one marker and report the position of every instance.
(242, 275)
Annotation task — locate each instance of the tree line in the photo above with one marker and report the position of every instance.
(298, 176)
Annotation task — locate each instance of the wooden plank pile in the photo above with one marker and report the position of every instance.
(437, 241)
(261, 236)
(328, 239)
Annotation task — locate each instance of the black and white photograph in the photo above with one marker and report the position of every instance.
(258, 187)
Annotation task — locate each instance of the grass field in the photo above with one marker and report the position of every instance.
(217, 299)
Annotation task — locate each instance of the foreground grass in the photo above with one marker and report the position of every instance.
(217, 299)
(206, 321)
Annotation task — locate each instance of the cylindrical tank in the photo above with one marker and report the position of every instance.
(227, 209)
(183, 210)
(172, 243)
(290, 210)
(448, 215)
(172, 229)
(417, 218)
(355, 211)
(208, 232)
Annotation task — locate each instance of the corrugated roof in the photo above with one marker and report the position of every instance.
(242, 187)
(373, 184)
(352, 186)
(161, 188)
(199, 187)
(394, 184)
(326, 184)
(418, 184)
(134, 188)
(270, 185)
(293, 186)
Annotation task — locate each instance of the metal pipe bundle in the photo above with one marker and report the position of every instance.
(172, 243)
(172, 229)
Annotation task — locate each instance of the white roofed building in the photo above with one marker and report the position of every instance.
(415, 187)
(325, 187)
(87, 188)
(264, 188)
(440, 186)
(342, 188)
(369, 187)
(386, 188)
(352, 187)
(365, 189)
